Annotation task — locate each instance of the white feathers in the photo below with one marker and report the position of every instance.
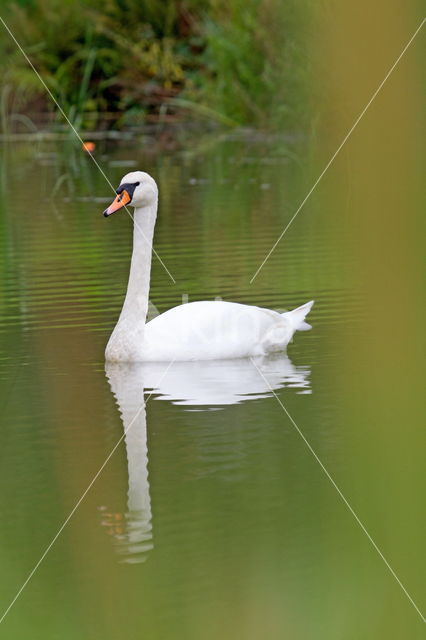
(212, 330)
(297, 316)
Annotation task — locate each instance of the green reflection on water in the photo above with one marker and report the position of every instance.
(244, 535)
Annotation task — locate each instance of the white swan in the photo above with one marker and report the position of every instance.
(210, 330)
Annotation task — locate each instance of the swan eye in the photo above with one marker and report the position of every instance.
(129, 187)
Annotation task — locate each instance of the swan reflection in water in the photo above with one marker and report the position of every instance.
(202, 386)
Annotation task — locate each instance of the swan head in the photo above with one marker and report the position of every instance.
(137, 189)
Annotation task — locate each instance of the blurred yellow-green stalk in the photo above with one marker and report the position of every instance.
(376, 185)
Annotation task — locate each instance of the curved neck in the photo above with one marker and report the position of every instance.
(136, 302)
(126, 340)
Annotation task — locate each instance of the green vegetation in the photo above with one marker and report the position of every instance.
(123, 62)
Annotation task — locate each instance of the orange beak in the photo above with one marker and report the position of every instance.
(121, 200)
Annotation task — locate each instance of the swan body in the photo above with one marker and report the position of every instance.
(217, 330)
(209, 330)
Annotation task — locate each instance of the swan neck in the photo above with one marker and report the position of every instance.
(136, 302)
(126, 341)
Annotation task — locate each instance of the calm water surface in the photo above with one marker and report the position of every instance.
(211, 519)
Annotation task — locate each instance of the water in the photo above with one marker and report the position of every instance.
(211, 518)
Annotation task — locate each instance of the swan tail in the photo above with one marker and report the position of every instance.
(304, 326)
(297, 316)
